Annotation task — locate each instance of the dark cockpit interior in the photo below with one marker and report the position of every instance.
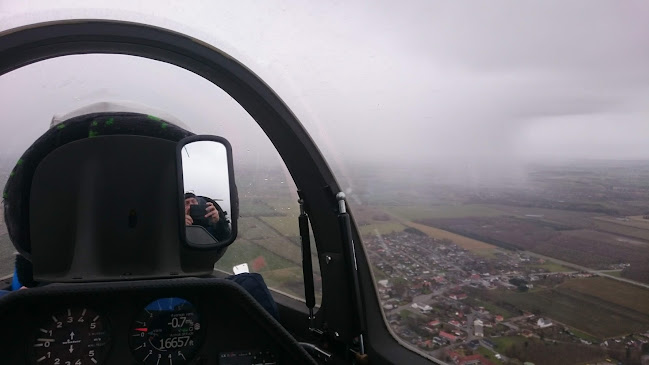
(119, 217)
(112, 182)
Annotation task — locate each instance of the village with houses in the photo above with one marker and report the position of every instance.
(469, 309)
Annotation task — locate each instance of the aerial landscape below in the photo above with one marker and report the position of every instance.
(553, 269)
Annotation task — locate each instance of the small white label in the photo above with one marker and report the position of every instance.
(240, 269)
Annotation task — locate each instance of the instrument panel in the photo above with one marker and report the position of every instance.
(69, 336)
(165, 322)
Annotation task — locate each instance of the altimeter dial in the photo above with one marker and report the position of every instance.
(166, 332)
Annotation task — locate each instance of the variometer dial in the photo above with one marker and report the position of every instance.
(72, 336)
(167, 332)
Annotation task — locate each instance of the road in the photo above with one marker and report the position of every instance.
(585, 269)
(510, 325)
(468, 327)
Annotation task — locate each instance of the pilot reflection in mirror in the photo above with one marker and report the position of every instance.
(213, 220)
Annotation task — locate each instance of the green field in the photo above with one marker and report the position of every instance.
(286, 226)
(378, 274)
(503, 343)
(621, 229)
(492, 308)
(489, 355)
(244, 251)
(263, 231)
(382, 228)
(7, 257)
(551, 267)
(253, 228)
(257, 207)
(637, 221)
(617, 274)
(613, 291)
(415, 213)
(583, 335)
(288, 207)
(588, 314)
(540, 352)
(281, 246)
(289, 250)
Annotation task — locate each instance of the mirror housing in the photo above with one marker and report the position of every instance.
(208, 197)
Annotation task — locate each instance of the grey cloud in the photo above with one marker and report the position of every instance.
(481, 85)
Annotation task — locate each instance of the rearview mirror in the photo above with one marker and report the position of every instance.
(209, 201)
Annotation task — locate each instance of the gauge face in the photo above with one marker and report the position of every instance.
(72, 336)
(167, 331)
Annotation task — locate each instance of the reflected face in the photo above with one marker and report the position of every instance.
(190, 201)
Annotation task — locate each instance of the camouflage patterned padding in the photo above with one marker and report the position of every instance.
(17, 190)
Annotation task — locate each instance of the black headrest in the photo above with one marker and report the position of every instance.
(97, 197)
(16, 194)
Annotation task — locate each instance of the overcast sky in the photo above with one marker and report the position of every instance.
(205, 171)
(483, 85)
